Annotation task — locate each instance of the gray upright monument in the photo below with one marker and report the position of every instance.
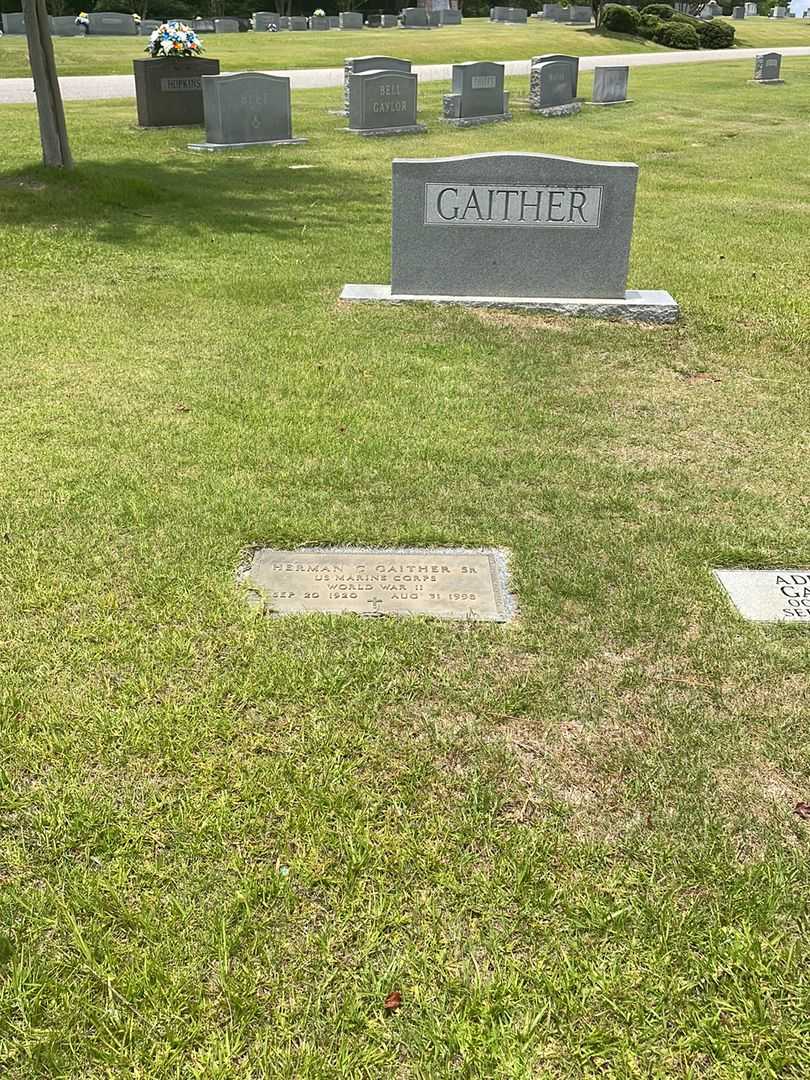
(383, 103)
(478, 96)
(767, 69)
(516, 230)
(245, 110)
(610, 86)
(553, 85)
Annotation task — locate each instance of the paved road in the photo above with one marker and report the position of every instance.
(99, 87)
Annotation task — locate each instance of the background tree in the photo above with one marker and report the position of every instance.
(52, 129)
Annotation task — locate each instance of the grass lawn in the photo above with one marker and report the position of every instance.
(477, 39)
(568, 842)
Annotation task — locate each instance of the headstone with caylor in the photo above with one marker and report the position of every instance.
(768, 69)
(383, 103)
(610, 86)
(478, 96)
(245, 110)
(356, 65)
(516, 230)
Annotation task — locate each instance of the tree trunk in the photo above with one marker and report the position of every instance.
(52, 129)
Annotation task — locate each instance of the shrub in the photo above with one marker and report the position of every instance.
(716, 35)
(649, 26)
(619, 19)
(678, 35)
(662, 11)
(689, 20)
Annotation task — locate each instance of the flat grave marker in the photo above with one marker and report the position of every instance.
(456, 583)
(769, 595)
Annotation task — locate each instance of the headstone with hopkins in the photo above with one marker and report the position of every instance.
(383, 103)
(356, 65)
(245, 110)
(478, 96)
(168, 90)
(516, 230)
(610, 86)
(112, 24)
(768, 69)
(262, 20)
(350, 20)
(553, 85)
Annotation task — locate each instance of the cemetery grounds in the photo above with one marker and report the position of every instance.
(568, 843)
(476, 39)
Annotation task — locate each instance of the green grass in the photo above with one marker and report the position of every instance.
(477, 39)
(568, 842)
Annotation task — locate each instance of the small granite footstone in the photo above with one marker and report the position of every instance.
(465, 584)
(769, 595)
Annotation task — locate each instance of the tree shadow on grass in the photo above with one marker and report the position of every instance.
(125, 201)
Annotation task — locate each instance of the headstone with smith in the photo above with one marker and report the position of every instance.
(383, 103)
(768, 69)
(516, 230)
(478, 96)
(245, 110)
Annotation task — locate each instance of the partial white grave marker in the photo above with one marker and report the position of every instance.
(445, 583)
(769, 595)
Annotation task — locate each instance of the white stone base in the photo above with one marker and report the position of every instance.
(766, 82)
(474, 121)
(638, 305)
(413, 129)
(212, 147)
(604, 104)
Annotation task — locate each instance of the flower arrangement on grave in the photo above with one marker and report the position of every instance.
(82, 19)
(174, 39)
(319, 13)
(136, 19)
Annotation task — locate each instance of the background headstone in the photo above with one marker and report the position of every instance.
(350, 20)
(383, 103)
(14, 22)
(112, 23)
(738, 12)
(477, 94)
(415, 18)
(553, 86)
(610, 85)
(263, 19)
(581, 13)
(65, 26)
(246, 109)
(226, 26)
(572, 61)
(299, 22)
(768, 67)
(388, 22)
(356, 65)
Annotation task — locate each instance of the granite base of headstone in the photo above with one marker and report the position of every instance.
(246, 110)
(168, 90)
(610, 86)
(383, 103)
(768, 70)
(477, 96)
(553, 85)
(514, 230)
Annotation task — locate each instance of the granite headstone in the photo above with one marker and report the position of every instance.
(383, 103)
(768, 68)
(246, 109)
(477, 96)
(350, 20)
(356, 65)
(610, 86)
(112, 23)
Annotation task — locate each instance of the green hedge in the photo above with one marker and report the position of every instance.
(677, 35)
(649, 26)
(661, 11)
(619, 19)
(716, 35)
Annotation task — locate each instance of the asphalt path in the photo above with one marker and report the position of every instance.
(104, 87)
